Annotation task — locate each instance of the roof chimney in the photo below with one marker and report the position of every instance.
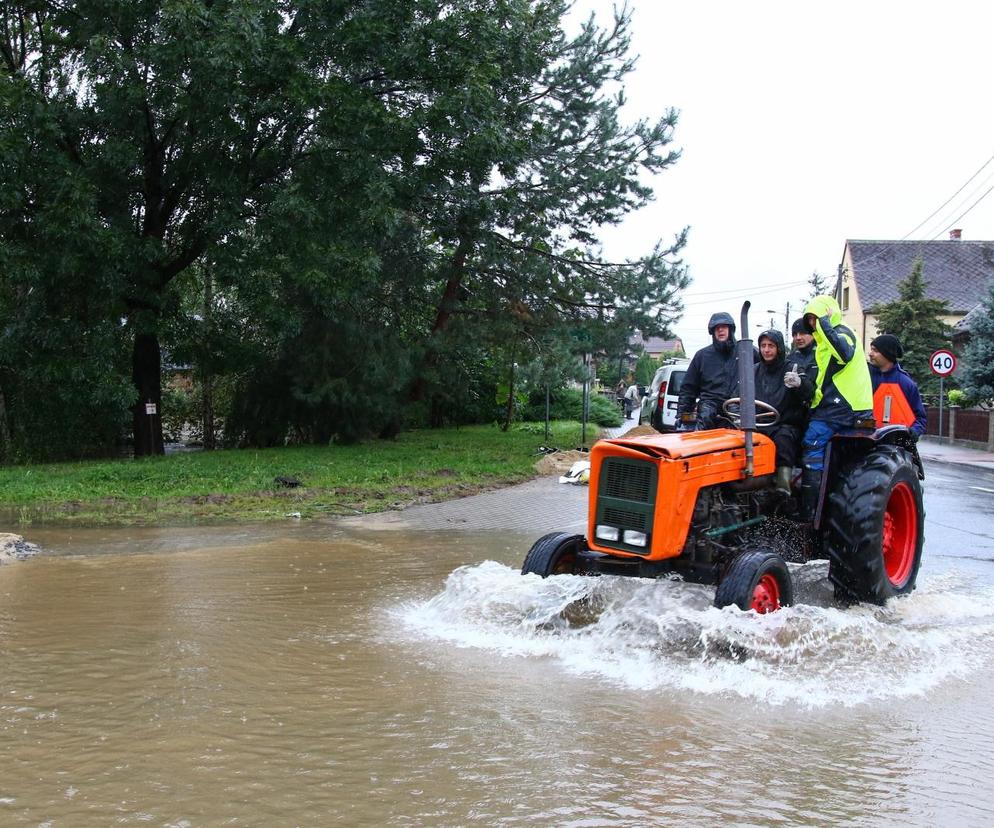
(955, 235)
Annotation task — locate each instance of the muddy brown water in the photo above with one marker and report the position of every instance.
(333, 674)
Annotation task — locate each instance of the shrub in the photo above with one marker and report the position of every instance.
(567, 404)
(960, 398)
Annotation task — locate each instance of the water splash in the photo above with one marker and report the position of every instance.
(652, 635)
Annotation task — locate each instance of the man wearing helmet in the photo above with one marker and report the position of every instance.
(712, 376)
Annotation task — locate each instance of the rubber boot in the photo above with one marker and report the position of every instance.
(783, 479)
(810, 486)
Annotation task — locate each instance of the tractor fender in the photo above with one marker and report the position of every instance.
(861, 441)
(857, 443)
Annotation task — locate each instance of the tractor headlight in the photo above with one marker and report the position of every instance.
(633, 538)
(608, 533)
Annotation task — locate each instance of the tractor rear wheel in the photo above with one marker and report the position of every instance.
(876, 528)
(553, 554)
(756, 580)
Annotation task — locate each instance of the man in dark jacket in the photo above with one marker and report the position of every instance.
(803, 353)
(712, 376)
(776, 386)
(896, 399)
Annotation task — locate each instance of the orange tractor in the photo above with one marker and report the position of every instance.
(703, 505)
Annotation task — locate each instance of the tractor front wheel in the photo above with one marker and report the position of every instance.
(876, 528)
(553, 554)
(756, 580)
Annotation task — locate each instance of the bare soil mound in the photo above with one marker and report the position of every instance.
(559, 462)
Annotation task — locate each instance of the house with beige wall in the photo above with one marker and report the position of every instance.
(955, 270)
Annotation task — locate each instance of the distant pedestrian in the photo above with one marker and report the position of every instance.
(632, 400)
(896, 399)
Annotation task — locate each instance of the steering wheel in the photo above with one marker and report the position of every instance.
(766, 414)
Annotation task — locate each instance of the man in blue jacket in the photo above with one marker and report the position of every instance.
(896, 400)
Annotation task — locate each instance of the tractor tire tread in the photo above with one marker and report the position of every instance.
(546, 552)
(856, 507)
(737, 585)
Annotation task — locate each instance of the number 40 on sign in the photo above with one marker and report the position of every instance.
(943, 362)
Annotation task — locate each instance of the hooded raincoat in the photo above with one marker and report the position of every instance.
(712, 376)
(791, 403)
(842, 390)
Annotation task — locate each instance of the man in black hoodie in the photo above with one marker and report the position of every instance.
(790, 399)
(712, 376)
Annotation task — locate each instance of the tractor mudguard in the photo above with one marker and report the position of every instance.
(852, 443)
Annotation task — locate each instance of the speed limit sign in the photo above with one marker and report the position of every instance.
(943, 362)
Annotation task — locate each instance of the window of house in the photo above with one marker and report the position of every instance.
(845, 298)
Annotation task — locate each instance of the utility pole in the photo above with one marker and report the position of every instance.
(786, 320)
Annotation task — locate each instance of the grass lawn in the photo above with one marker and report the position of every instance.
(239, 485)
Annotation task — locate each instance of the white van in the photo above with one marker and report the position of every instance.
(659, 404)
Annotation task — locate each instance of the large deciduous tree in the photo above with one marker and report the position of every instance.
(166, 130)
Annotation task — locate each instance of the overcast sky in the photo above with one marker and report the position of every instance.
(802, 125)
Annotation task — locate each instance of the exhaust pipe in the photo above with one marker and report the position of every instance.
(747, 386)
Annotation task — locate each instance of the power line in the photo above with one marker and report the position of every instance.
(937, 227)
(968, 209)
(745, 293)
(892, 245)
(944, 203)
(693, 295)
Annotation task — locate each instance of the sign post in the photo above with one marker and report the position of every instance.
(942, 363)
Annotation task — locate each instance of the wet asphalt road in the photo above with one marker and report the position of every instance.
(959, 513)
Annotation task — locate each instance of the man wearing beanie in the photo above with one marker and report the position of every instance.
(896, 400)
(803, 354)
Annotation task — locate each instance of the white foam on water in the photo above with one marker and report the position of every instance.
(650, 635)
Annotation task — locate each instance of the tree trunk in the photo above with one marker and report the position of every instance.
(509, 411)
(207, 379)
(446, 307)
(146, 373)
(4, 430)
(207, 386)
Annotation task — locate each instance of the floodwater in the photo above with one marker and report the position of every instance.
(318, 675)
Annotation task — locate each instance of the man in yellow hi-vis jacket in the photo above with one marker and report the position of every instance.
(843, 391)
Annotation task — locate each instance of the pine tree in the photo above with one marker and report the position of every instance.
(819, 285)
(978, 358)
(915, 321)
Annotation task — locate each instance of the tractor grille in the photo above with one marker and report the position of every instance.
(626, 499)
(629, 481)
(624, 519)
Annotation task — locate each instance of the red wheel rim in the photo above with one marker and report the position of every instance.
(766, 594)
(900, 536)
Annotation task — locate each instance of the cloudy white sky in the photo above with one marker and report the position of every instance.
(804, 124)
